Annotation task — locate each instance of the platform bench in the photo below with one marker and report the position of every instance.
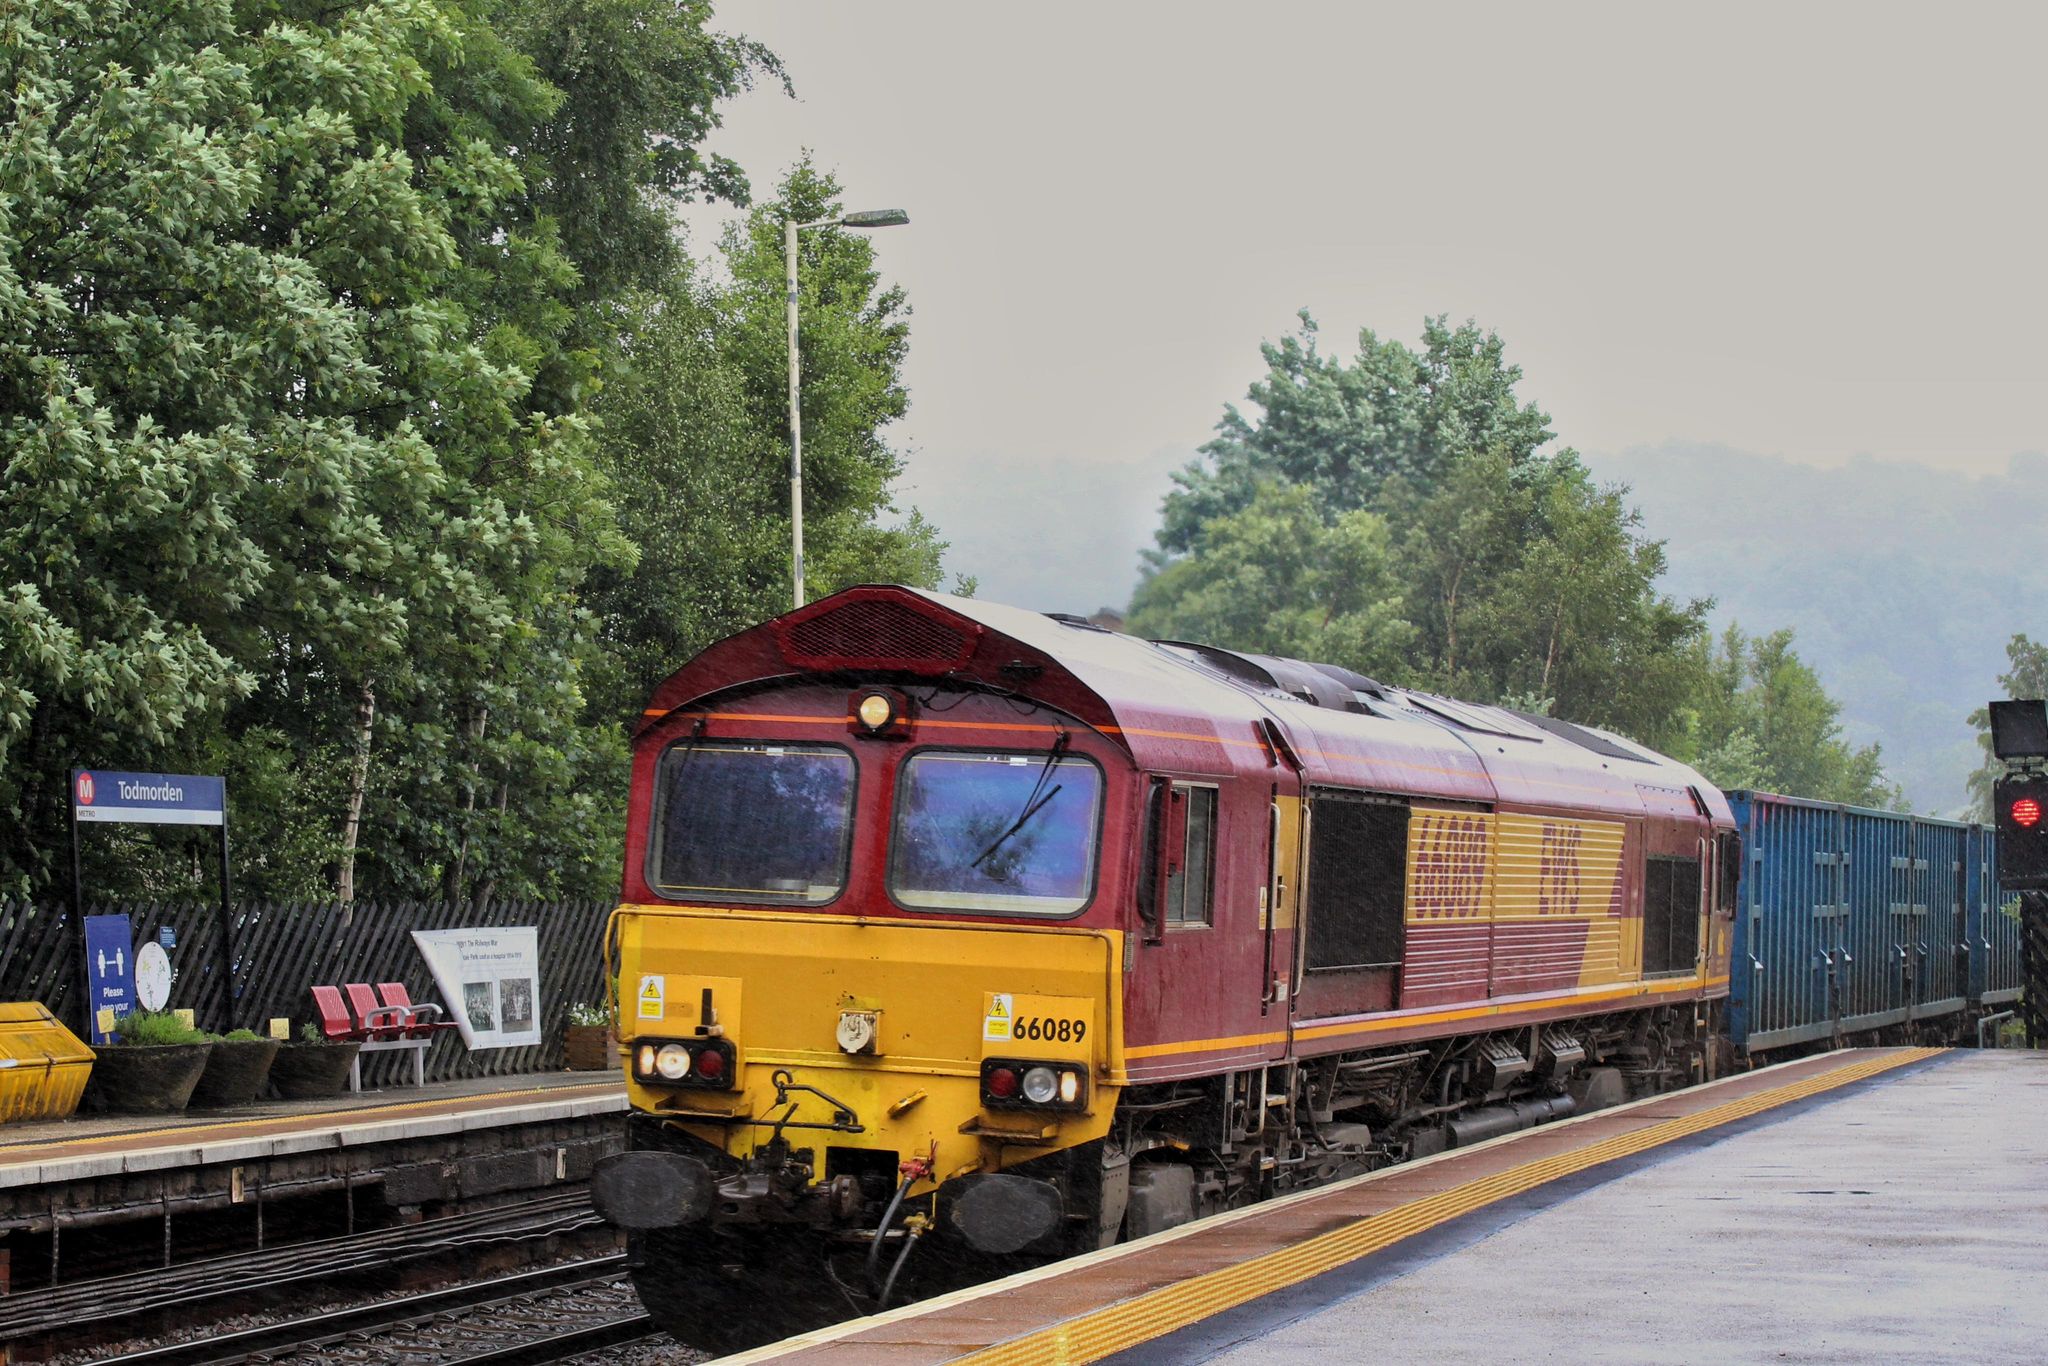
(379, 1026)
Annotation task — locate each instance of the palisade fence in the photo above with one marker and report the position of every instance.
(284, 949)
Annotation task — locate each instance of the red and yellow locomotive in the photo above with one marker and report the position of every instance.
(955, 924)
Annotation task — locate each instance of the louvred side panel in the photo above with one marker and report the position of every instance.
(877, 629)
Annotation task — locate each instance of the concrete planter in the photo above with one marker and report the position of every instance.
(309, 1071)
(588, 1048)
(150, 1079)
(236, 1072)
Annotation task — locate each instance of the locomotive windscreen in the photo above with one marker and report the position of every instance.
(995, 832)
(751, 822)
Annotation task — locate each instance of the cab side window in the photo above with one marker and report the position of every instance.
(1191, 855)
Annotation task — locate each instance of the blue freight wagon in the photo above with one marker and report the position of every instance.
(1853, 921)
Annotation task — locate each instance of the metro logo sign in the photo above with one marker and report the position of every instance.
(148, 798)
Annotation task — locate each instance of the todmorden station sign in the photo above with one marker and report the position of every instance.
(148, 798)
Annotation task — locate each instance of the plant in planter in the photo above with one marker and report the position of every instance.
(236, 1070)
(588, 1044)
(312, 1066)
(150, 1067)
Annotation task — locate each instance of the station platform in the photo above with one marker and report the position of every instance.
(73, 1192)
(89, 1146)
(1845, 1207)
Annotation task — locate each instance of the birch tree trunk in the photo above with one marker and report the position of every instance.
(358, 780)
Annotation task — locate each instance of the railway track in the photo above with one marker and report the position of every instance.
(53, 1313)
(533, 1317)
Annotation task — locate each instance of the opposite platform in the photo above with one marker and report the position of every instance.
(1354, 1265)
(93, 1146)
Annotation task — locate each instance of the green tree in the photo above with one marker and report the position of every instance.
(639, 84)
(1385, 428)
(268, 449)
(2025, 677)
(1762, 720)
(1512, 574)
(696, 441)
(1275, 579)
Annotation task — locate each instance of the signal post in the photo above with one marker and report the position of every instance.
(2019, 806)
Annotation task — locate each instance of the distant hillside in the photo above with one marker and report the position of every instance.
(1902, 583)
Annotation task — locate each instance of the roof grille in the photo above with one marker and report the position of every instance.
(874, 633)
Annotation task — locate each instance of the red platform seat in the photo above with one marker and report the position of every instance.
(423, 1021)
(378, 1025)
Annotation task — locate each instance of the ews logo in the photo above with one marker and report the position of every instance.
(1449, 882)
(1558, 879)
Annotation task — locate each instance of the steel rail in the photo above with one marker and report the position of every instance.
(568, 1344)
(312, 1329)
(38, 1313)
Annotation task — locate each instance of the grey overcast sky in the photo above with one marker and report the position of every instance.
(1805, 230)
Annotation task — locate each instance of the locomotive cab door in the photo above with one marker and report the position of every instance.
(1280, 900)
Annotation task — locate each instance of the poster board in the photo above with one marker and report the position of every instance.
(490, 981)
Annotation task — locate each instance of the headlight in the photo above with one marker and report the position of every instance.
(701, 1064)
(1041, 1084)
(1013, 1084)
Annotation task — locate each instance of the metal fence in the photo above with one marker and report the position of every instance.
(284, 949)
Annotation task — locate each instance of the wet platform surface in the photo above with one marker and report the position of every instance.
(1881, 1203)
(95, 1145)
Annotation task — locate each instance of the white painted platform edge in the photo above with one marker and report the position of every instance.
(333, 1136)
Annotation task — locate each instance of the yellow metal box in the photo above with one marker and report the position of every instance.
(43, 1066)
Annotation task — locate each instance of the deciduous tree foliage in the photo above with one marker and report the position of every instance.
(1403, 513)
(303, 306)
(1761, 720)
(1499, 569)
(696, 441)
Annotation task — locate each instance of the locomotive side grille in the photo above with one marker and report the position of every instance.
(875, 634)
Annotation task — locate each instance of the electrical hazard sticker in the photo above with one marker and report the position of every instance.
(995, 1024)
(651, 1004)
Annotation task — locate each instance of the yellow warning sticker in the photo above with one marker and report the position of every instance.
(650, 996)
(995, 1023)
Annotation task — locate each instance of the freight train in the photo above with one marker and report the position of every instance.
(956, 937)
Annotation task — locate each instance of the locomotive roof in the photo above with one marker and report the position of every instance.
(1195, 709)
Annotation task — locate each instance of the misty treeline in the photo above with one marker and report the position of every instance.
(1403, 513)
(368, 435)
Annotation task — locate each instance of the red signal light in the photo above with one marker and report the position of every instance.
(711, 1064)
(2026, 813)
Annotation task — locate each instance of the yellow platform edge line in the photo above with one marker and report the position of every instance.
(41, 1149)
(1133, 1322)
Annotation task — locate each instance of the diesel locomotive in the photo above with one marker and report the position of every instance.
(956, 937)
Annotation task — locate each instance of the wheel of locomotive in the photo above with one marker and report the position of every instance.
(725, 1293)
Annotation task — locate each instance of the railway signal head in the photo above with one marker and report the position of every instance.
(2021, 807)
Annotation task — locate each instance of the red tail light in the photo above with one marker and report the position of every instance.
(1002, 1083)
(711, 1064)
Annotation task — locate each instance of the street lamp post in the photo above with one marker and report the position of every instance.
(870, 218)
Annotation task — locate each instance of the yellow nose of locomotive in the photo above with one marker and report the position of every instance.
(859, 1046)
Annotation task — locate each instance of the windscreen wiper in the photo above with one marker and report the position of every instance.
(1033, 804)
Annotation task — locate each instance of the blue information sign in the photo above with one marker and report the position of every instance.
(148, 798)
(109, 972)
